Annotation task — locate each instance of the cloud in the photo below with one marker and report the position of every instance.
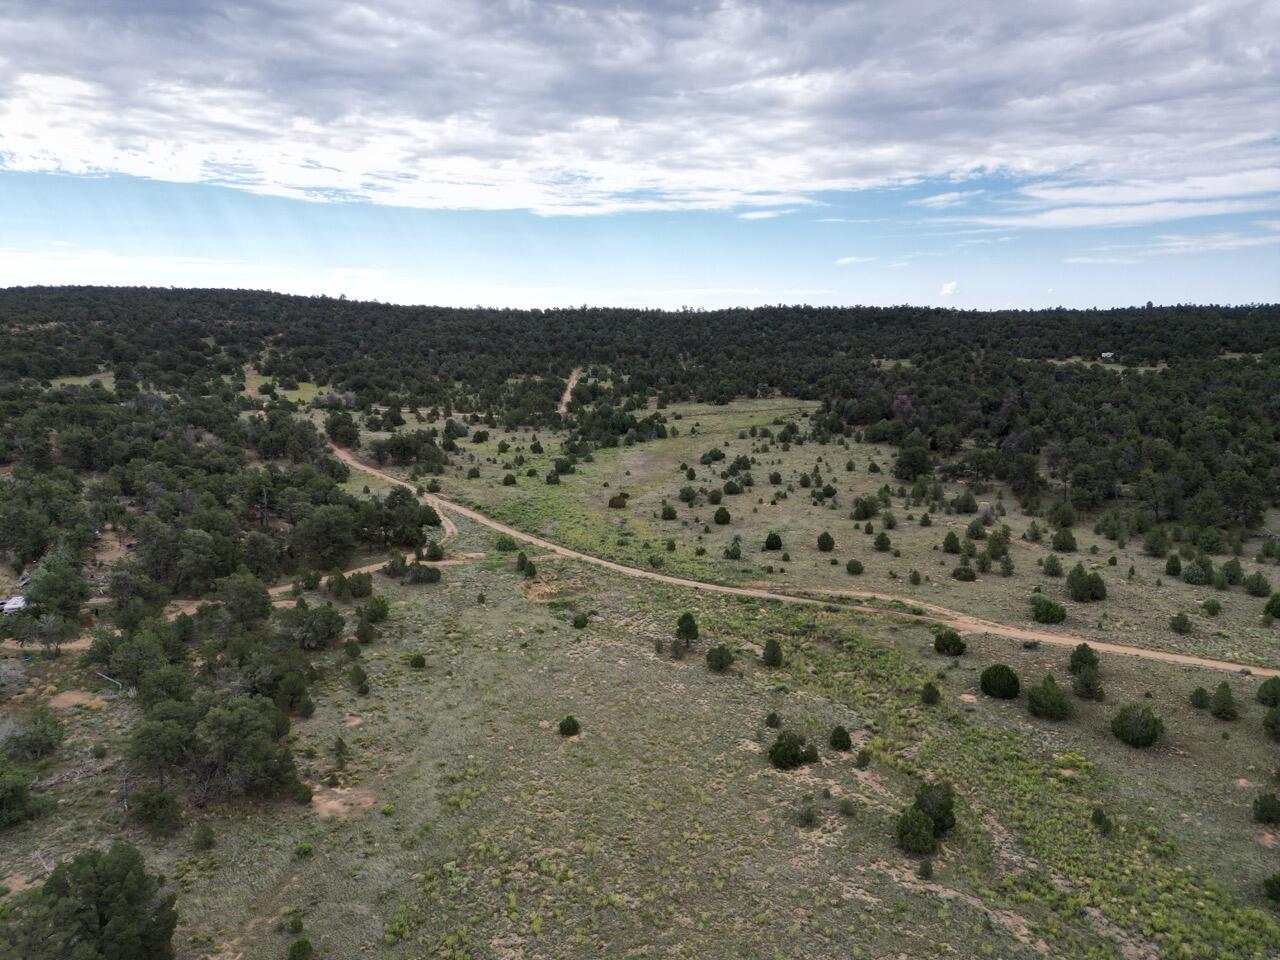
(581, 107)
(1177, 243)
(763, 214)
(846, 261)
(940, 201)
(949, 288)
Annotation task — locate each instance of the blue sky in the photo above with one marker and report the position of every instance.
(660, 153)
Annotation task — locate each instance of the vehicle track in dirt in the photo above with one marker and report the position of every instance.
(956, 620)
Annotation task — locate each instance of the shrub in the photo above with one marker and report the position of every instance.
(1180, 623)
(504, 543)
(999, 681)
(1047, 701)
(417, 661)
(1211, 607)
(773, 721)
(790, 750)
(1256, 585)
(930, 694)
(1086, 685)
(1101, 821)
(964, 574)
(937, 802)
(1266, 808)
(773, 542)
(722, 516)
(863, 759)
(16, 802)
(422, 573)
(1082, 656)
(915, 832)
(1272, 607)
(1271, 723)
(951, 543)
(1063, 541)
(579, 620)
(840, 739)
(1271, 887)
(687, 627)
(1044, 610)
(854, 567)
(300, 949)
(882, 542)
(155, 808)
(1269, 692)
(719, 658)
(1173, 566)
(1052, 566)
(33, 738)
(434, 552)
(948, 642)
(1136, 725)
(1194, 574)
(202, 838)
(1085, 587)
(772, 653)
(1223, 704)
(1200, 698)
(101, 904)
(569, 726)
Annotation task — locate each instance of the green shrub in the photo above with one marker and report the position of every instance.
(1047, 701)
(16, 802)
(1082, 656)
(1271, 888)
(772, 652)
(687, 628)
(915, 832)
(1045, 610)
(1194, 573)
(930, 694)
(1180, 623)
(863, 759)
(1271, 723)
(579, 620)
(1256, 585)
(1085, 587)
(1136, 725)
(965, 574)
(1086, 685)
(202, 838)
(1101, 821)
(773, 542)
(826, 542)
(719, 658)
(1211, 607)
(1223, 704)
(569, 726)
(1272, 607)
(937, 802)
(504, 543)
(840, 739)
(790, 750)
(854, 567)
(300, 949)
(773, 721)
(1269, 692)
(948, 642)
(1266, 808)
(722, 516)
(1200, 698)
(417, 661)
(999, 681)
(1052, 566)
(156, 808)
(34, 737)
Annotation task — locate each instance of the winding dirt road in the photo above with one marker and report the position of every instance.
(562, 407)
(961, 622)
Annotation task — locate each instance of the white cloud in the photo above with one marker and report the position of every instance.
(949, 288)
(1176, 243)
(1127, 214)
(846, 261)
(940, 201)
(763, 214)
(581, 107)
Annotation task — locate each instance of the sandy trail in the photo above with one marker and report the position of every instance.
(562, 407)
(961, 622)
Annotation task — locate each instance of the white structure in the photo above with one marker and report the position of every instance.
(15, 604)
(1108, 355)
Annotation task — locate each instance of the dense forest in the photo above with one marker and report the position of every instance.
(1185, 418)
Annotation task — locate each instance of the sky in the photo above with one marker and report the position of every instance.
(668, 153)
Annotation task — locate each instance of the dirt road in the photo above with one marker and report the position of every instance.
(961, 622)
(562, 407)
